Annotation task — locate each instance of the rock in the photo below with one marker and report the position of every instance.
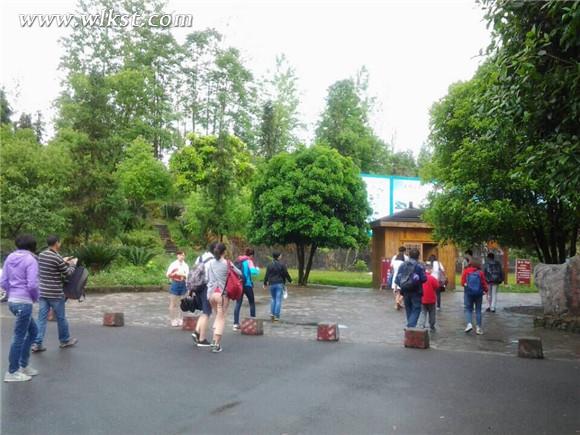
(189, 323)
(530, 347)
(252, 326)
(113, 319)
(327, 332)
(559, 286)
(417, 338)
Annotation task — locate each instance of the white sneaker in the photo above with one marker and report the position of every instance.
(468, 328)
(236, 327)
(174, 322)
(28, 371)
(179, 322)
(16, 377)
(479, 331)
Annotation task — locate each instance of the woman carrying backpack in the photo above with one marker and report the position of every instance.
(177, 272)
(217, 274)
(475, 285)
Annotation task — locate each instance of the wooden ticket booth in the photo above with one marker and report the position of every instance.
(406, 228)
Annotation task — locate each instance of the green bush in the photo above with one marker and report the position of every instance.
(360, 266)
(96, 256)
(142, 239)
(171, 211)
(137, 255)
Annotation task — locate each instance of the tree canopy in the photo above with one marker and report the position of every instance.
(312, 198)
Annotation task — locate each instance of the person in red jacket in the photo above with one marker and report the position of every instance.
(429, 299)
(474, 285)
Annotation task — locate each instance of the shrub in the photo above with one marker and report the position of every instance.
(360, 266)
(96, 256)
(171, 211)
(141, 239)
(138, 256)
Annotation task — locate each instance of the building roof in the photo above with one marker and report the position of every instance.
(408, 215)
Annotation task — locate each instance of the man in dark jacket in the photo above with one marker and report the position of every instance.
(410, 279)
(494, 276)
(276, 277)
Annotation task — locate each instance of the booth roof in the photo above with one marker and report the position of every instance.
(407, 215)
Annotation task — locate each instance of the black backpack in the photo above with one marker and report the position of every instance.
(407, 279)
(494, 274)
(240, 265)
(74, 287)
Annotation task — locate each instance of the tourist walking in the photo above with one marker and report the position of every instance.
(20, 281)
(429, 299)
(410, 279)
(53, 270)
(275, 279)
(177, 272)
(438, 272)
(396, 263)
(200, 333)
(475, 285)
(494, 275)
(217, 270)
(246, 264)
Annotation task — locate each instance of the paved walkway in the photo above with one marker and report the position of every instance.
(365, 316)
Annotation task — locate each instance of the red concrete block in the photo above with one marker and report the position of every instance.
(417, 338)
(113, 319)
(189, 323)
(327, 332)
(251, 326)
(51, 317)
(530, 347)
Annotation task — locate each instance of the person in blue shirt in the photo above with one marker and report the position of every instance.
(249, 269)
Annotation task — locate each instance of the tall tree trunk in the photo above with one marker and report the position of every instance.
(573, 239)
(300, 254)
(309, 265)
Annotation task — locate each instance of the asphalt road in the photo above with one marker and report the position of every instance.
(142, 380)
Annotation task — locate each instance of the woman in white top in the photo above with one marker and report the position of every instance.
(217, 274)
(438, 272)
(396, 264)
(177, 272)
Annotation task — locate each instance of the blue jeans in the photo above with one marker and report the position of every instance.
(412, 307)
(57, 306)
(249, 292)
(469, 301)
(24, 334)
(276, 290)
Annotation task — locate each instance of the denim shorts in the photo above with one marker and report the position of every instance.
(178, 288)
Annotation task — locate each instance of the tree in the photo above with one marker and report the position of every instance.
(38, 126)
(313, 198)
(344, 126)
(5, 109)
(32, 191)
(280, 111)
(25, 121)
(216, 169)
(141, 176)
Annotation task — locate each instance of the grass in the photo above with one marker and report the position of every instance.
(153, 273)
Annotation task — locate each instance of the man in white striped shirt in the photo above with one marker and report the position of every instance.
(52, 271)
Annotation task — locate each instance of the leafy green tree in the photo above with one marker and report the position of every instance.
(5, 109)
(32, 192)
(142, 177)
(216, 169)
(280, 119)
(313, 198)
(25, 121)
(38, 126)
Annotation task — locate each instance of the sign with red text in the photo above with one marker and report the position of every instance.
(523, 271)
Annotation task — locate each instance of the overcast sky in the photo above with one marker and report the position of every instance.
(413, 50)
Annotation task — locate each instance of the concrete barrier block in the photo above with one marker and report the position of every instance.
(252, 326)
(189, 323)
(51, 317)
(113, 319)
(530, 347)
(417, 338)
(327, 332)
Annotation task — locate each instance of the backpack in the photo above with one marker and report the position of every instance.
(74, 287)
(407, 279)
(196, 277)
(240, 265)
(493, 272)
(443, 281)
(234, 288)
(473, 285)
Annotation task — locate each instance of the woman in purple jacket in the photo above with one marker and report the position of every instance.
(20, 280)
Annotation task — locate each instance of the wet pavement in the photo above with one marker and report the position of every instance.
(364, 315)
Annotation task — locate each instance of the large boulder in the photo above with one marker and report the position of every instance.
(559, 286)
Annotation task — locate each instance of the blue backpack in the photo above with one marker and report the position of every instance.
(473, 286)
